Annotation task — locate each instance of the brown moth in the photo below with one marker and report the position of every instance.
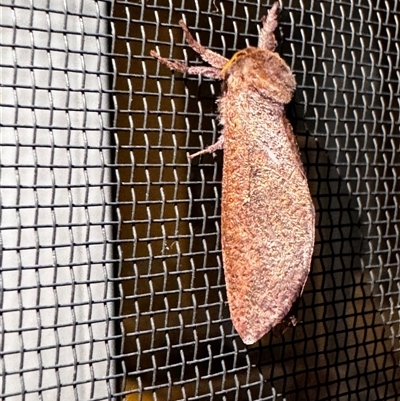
(267, 213)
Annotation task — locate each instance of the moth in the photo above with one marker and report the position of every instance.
(267, 214)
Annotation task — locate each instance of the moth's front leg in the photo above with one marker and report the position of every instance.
(267, 39)
(210, 72)
(215, 59)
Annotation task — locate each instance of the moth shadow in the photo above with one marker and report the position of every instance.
(334, 346)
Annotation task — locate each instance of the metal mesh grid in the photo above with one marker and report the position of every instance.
(111, 274)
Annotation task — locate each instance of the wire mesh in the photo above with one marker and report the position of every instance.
(111, 270)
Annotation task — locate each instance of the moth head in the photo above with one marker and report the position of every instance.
(263, 71)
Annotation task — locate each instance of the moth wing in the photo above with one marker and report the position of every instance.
(267, 236)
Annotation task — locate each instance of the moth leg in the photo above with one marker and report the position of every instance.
(211, 149)
(210, 72)
(215, 59)
(267, 39)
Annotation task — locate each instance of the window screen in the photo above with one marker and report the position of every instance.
(112, 281)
